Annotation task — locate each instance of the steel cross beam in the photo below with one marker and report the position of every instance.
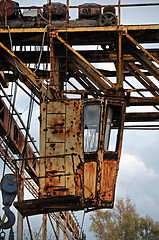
(96, 76)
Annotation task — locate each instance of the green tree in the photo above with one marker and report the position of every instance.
(123, 223)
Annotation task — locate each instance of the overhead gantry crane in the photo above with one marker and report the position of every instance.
(82, 108)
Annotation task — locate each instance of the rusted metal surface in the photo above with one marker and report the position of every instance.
(58, 10)
(86, 10)
(33, 189)
(18, 64)
(76, 173)
(79, 158)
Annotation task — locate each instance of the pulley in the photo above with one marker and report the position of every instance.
(108, 19)
(9, 191)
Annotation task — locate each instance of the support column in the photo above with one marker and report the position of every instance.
(65, 224)
(20, 198)
(54, 65)
(120, 76)
(44, 229)
(58, 226)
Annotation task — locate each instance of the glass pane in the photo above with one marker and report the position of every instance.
(91, 127)
(108, 128)
(113, 123)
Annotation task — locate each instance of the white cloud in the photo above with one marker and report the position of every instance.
(132, 168)
(140, 183)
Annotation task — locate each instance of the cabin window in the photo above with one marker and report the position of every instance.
(112, 130)
(91, 127)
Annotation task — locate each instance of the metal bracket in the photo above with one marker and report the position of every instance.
(54, 33)
(122, 30)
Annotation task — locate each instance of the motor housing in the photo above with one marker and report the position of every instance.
(12, 9)
(87, 12)
(58, 11)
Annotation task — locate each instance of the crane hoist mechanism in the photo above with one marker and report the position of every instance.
(88, 15)
(80, 138)
(9, 192)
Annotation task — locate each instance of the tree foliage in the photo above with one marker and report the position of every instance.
(123, 223)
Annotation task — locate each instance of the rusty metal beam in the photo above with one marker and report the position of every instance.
(146, 63)
(31, 80)
(92, 72)
(142, 74)
(141, 117)
(28, 77)
(53, 227)
(123, 28)
(111, 56)
(30, 231)
(91, 56)
(44, 229)
(142, 101)
(3, 79)
(17, 63)
(132, 70)
(95, 79)
(121, 5)
(119, 62)
(146, 53)
(81, 78)
(139, 92)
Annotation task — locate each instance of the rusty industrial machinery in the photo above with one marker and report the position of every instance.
(83, 105)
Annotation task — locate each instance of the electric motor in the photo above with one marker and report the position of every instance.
(12, 8)
(58, 11)
(87, 12)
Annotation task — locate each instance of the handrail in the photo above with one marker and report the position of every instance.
(121, 5)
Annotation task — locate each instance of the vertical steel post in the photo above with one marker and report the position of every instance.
(119, 12)
(120, 54)
(120, 62)
(58, 226)
(67, 13)
(51, 62)
(65, 229)
(5, 13)
(51, 50)
(50, 12)
(44, 229)
(20, 198)
(31, 235)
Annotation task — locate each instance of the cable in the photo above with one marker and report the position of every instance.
(42, 46)
(82, 224)
(43, 17)
(10, 38)
(28, 127)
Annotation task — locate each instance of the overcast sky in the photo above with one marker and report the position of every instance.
(139, 167)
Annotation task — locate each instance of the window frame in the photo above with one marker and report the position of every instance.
(98, 103)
